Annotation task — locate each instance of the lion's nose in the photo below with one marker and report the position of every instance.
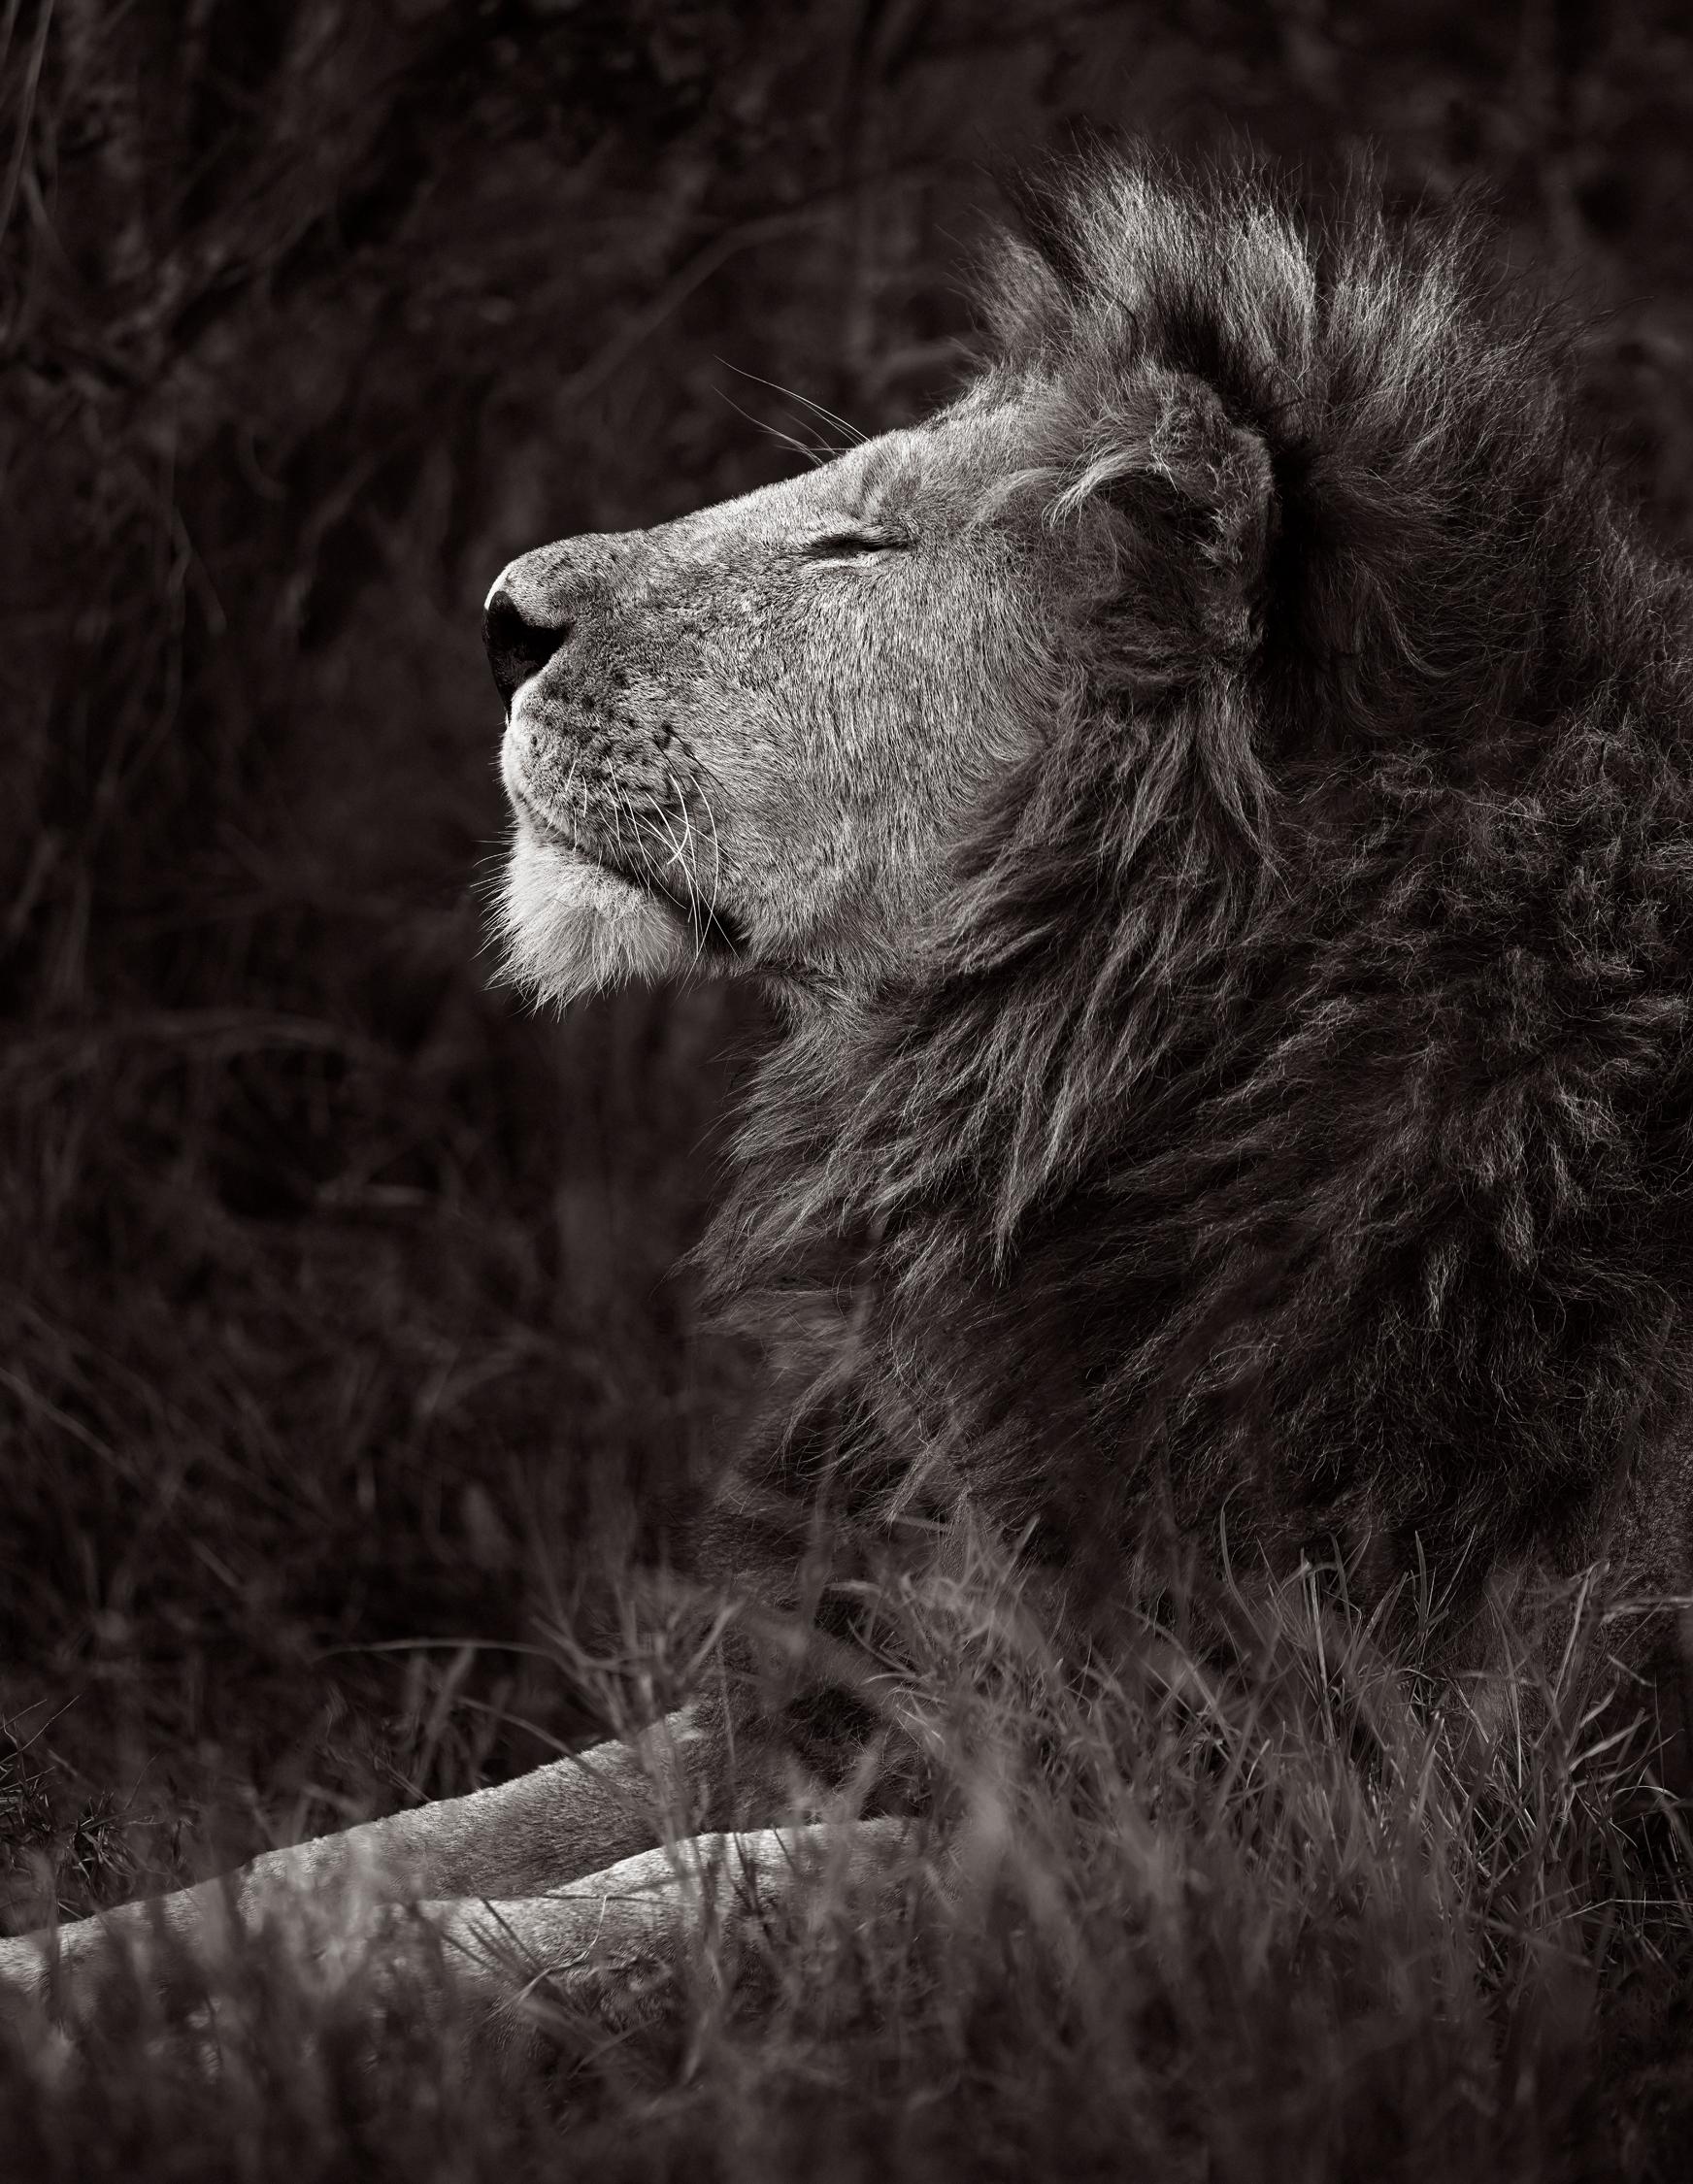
(516, 647)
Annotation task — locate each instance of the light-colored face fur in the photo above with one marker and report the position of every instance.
(746, 739)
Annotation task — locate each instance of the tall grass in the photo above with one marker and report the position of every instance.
(339, 1359)
(1265, 1910)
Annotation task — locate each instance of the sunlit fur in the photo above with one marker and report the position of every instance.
(1281, 1126)
(571, 928)
(769, 718)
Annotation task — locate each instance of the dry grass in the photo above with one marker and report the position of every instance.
(339, 1363)
(1266, 1914)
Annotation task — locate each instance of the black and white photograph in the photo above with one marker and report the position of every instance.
(845, 1091)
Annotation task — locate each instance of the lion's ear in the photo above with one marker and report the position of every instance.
(1191, 487)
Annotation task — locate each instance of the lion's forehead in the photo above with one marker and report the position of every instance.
(944, 473)
(941, 475)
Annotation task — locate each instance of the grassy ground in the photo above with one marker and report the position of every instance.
(339, 1359)
(1181, 1920)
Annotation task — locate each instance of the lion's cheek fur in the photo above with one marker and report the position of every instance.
(571, 928)
(851, 745)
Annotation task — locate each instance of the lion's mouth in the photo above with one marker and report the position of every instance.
(710, 925)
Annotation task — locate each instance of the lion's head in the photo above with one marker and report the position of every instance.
(754, 737)
(747, 736)
(1232, 767)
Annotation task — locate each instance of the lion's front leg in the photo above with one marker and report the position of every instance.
(521, 1840)
(616, 1943)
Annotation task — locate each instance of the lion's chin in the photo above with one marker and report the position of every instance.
(570, 927)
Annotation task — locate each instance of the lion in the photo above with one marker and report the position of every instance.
(1215, 806)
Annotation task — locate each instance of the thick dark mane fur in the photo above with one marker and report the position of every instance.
(1287, 1123)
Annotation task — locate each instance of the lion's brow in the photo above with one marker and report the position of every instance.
(884, 465)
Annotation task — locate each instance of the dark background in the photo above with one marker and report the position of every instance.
(338, 1360)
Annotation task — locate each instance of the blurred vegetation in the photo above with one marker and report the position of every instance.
(339, 1357)
(1261, 1920)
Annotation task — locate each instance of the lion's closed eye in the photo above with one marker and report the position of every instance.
(846, 546)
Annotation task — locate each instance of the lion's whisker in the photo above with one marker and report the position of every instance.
(855, 437)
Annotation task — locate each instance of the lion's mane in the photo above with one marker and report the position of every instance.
(1288, 1119)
